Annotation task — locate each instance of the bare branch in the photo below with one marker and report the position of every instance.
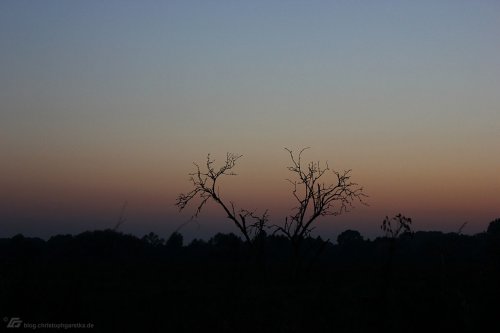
(205, 188)
(316, 198)
(401, 225)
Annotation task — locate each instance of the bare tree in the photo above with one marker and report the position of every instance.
(205, 187)
(393, 227)
(121, 217)
(316, 198)
(401, 224)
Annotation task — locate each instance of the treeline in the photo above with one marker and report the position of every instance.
(350, 248)
(123, 282)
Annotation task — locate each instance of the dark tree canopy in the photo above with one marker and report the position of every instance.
(494, 227)
(349, 238)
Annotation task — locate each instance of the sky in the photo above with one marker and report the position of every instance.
(107, 102)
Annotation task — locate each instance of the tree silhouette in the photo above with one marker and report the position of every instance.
(400, 224)
(153, 239)
(494, 227)
(109, 273)
(395, 227)
(175, 240)
(205, 187)
(316, 198)
(349, 238)
(493, 240)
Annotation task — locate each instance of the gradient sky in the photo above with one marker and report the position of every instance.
(103, 102)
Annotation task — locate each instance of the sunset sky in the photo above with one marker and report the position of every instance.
(103, 102)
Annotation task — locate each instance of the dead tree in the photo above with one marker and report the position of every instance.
(205, 187)
(393, 227)
(316, 198)
(402, 224)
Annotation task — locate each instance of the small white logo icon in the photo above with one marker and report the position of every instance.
(15, 322)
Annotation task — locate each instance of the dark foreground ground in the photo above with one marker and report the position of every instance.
(427, 281)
